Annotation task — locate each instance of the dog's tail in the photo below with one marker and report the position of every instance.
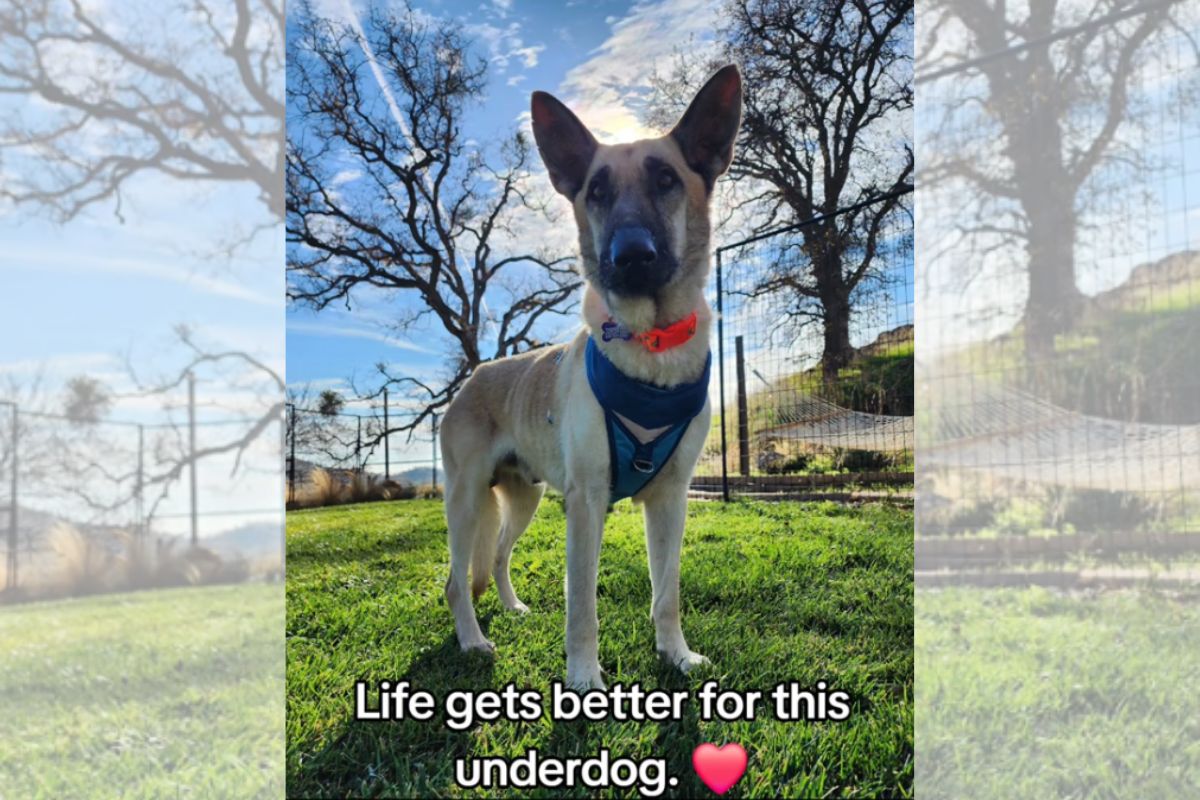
(483, 554)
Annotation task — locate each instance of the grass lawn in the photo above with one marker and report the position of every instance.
(772, 593)
(169, 693)
(1031, 693)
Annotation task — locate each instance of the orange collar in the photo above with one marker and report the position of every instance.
(655, 340)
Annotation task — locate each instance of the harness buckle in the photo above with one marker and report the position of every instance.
(644, 466)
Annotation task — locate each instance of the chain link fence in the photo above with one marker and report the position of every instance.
(815, 360)
(96, 504)
(1060, 296)
(378, 453)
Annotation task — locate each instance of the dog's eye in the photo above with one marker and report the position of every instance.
(597, 192)
(666, 180)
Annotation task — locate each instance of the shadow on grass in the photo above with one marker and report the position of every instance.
(673, 742)
(400, 757)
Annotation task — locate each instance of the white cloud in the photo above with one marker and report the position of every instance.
(529, 55)
(515, 79)
(608, 90)
(505, 45)
(346, 176)
(64, 365)
(155, 269)
(357, 333)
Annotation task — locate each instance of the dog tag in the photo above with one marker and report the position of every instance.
(613, 330)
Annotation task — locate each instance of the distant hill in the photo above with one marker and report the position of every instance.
(1172, 281)
(1127, 357)
(888, 342)
(249, 540)
(415, 476)
(419, 475)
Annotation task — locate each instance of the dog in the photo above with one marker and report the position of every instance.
(522, 422)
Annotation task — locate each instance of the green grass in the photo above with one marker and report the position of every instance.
(771, 592)
(1030, 693)
(169, 693)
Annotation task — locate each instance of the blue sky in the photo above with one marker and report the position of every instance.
(94, 295)
(596, 56)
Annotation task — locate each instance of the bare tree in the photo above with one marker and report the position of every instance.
(232, 368)
(1044, 91)
(423, 216)
(199, 103)
(110, 94)
(319, 426)
(825, 127)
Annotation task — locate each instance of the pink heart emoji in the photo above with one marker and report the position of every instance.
(719, 767)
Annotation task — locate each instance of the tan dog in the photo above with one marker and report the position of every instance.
(643, 215)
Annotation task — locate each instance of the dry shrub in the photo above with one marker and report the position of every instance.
(394, 490)
(86, 565)
(427, 491)
(118, 561)
(365, 488)
(323, 489)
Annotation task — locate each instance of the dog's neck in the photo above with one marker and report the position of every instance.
(681, 364)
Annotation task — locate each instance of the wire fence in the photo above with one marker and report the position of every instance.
(815, 359)
(84, 501)
(379, 452)
(1060, 300)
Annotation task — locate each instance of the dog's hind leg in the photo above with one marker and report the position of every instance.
(472, 517)
(518, 502)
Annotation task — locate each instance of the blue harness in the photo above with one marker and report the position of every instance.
(634, 464)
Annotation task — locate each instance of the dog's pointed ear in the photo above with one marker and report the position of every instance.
(566, 145)
(707, 130)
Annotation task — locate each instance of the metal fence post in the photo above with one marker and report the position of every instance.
(291, 433)
(387, 453)
(139, 508)
(11, 560)
(721, 378)
(743, 412)
(434, 440)
(358, 460)
(284, 428)
(191, 379)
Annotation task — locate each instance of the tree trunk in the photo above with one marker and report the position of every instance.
(1055, 301)
(837, 351)
(822, 246)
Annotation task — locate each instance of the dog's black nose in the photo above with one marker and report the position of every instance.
(632, 246)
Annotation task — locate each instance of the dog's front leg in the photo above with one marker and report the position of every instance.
(665, 514)
(585, 507)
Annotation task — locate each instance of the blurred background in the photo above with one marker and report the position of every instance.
(1058, 433)
(141, 397)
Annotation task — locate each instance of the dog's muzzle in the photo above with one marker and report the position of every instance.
(633, 264)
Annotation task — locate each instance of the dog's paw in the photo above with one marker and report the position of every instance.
(582, 680)
(517, 607)
(686, 661)
(484, 646)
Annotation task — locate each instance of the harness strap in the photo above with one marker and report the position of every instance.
(635, 463)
